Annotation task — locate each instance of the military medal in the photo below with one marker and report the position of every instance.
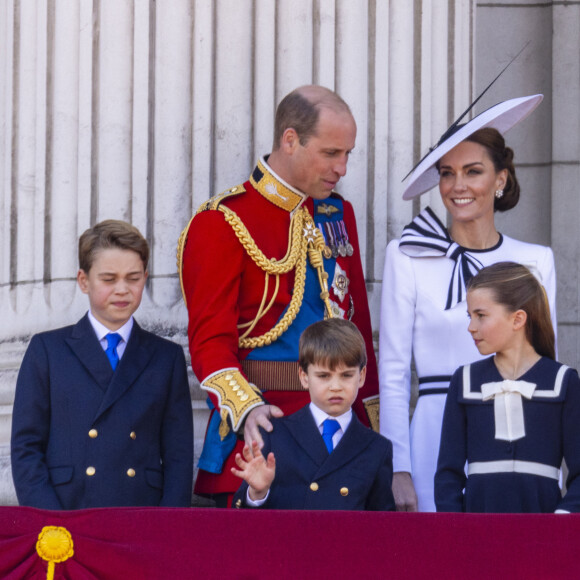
(339, 241)
(348, 245)
(340, 282)
(337, 311)
(331, 239)
(326, 251)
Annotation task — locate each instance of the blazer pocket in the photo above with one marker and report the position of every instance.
(61, 475)
(154, 478)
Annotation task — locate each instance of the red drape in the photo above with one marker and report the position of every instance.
(151, 543)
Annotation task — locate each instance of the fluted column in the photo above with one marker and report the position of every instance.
(141, 109)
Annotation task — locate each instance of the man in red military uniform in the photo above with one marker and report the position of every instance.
(260, 262)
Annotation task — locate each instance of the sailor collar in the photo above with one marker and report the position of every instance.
(273, 188)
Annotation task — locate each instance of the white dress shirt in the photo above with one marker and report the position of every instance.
(343, 420)
(101, 331)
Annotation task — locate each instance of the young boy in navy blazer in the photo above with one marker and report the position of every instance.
(321, 457)
(102, 413)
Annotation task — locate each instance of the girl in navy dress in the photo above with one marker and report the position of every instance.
(515, 415)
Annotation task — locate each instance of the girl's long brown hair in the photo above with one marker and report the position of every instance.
(516, 288)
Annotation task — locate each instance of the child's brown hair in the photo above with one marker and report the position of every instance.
(332, 342)
(110, 234)
(516, 288)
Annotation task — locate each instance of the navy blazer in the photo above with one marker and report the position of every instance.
(85, 436)
(357, 475)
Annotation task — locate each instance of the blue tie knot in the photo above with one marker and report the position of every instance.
(113, 339)
(329, 428)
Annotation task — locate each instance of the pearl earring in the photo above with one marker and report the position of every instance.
(499, 193)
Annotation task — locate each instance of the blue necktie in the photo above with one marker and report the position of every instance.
(113, 340)
(329, 428)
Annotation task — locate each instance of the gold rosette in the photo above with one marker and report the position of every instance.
(54, 545)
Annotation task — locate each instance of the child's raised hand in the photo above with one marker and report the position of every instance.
(255, 470)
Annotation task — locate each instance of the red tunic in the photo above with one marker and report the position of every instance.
(224, 287)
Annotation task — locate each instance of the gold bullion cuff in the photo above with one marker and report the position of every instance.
(235, 394)
(371, 405)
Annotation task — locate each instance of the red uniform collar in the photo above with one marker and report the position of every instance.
(275, 189)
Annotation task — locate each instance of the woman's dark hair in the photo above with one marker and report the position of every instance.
(502, 158)
(516, 288)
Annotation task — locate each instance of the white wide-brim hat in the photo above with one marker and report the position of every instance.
(502, 117)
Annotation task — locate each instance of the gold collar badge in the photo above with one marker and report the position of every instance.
(270, 186)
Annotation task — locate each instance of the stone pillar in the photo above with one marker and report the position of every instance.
(565, 174)
(547, 149)
(139, 110)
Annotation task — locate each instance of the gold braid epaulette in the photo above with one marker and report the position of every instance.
(305, 241)
(211, 203)
(302, 232)
(273, 267)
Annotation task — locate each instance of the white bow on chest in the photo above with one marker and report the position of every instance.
(508, 406)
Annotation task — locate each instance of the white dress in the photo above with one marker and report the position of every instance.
(415, 324)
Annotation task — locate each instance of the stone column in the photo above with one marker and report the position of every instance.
(565, 174)
(547, 149)
(139, 110)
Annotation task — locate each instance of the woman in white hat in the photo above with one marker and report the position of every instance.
(423, 309)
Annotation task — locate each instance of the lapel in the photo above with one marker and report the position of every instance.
(136, 357)
(86, 347)
(354, 441)
(304, 430)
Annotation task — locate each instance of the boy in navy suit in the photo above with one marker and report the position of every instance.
(321, 457)
(102, 413)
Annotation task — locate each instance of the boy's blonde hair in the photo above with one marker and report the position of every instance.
(332, 343)
(110, 234)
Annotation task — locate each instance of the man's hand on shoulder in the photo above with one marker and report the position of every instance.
(260, 417)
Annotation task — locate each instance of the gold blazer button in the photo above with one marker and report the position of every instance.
(93, 433)
(344, 491)
(131, 472)
(90, 471)
(314, 486)
(133, 435)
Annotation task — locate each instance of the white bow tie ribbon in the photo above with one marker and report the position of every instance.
(508, 406)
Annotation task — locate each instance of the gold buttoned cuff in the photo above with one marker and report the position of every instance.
(236, 396)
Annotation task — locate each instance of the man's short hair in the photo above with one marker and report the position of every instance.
(111, 234)
(332, 343)
(300, 110)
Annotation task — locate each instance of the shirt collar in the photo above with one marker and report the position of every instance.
(320, 416)
(101, 330)
(273, 188)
